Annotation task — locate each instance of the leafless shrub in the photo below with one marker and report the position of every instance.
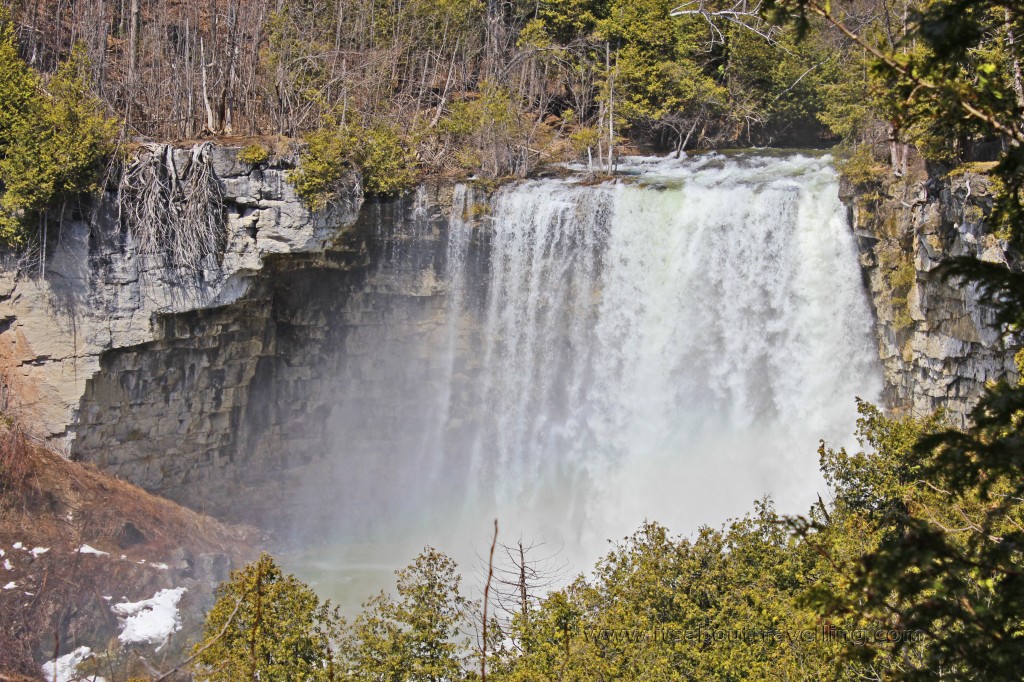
(15, 459)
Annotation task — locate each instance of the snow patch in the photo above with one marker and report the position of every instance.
(39, 551)
(17, 545)
(161, 566)
(150, 621)
(11, 585)
(86, 549)
(7, 565)
(65, 668)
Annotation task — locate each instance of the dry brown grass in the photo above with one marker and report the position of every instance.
(48, 501)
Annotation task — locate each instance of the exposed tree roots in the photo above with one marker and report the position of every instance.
(173, 213)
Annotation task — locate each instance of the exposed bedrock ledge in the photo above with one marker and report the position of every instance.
(97, 293)
(938, 345)
(229, 407)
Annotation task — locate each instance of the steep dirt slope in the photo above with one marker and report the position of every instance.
(76, 541)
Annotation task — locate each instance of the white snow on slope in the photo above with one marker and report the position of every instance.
(150, 621)
(65, 668)
(86, 549)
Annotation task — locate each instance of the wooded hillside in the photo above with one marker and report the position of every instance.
(705, 73)
(495, 86)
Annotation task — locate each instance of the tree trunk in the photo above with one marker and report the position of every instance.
(1015, 70)
(133, 51)
(523, 603)
(211, 123)
(611, 106)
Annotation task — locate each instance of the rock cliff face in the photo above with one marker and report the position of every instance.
(228, 407)
(217, 386)
(221, 386)
(937, 344)
(97, 290)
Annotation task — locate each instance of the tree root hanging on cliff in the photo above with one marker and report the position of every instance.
(175, 214)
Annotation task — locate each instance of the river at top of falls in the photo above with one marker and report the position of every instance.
(670, 346)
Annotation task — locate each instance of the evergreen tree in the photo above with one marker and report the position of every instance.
(54, 137)
(417, 635)
(267, 626)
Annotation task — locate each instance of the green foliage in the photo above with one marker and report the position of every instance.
(433, 20)
(568, 20)
(484, 130)
(776, 87)
(19, 85)
(296, 37)
(942, 557)
(851, 95)
(54, 137)
(416, 636)
(700, 78)
(491, 106)
(877, 480)
(386, 164)
(323, 165)
(275, 629)
(860, 167)
(720, 606)
(254, 154)
(584, 138)
(660, 83)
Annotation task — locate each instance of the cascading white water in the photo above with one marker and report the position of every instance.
(671, 346)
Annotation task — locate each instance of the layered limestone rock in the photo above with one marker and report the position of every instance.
(938, 345)
(227, 409)
(94, 290)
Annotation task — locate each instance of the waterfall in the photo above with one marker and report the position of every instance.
(669, 346)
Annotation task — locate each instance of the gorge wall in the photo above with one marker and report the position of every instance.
(93, 289)
(938, 346)
(223, 389)
(225, 409)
